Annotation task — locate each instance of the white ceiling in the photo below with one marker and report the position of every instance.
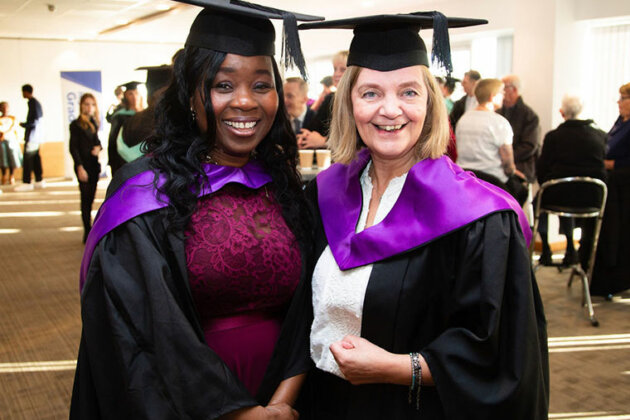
(87, 19)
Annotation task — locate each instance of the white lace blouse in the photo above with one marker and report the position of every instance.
(338, 295)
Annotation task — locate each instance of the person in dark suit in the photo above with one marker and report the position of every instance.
(611, 271)
(468, 101)
(575, 148)
(84, 148)
(32, 140)
(525, 125)
(295, 97)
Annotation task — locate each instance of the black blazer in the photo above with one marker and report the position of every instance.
(81, 143)
(320, 122)
(310, 114)
(575, 148)
(459, 107)
(526, 143)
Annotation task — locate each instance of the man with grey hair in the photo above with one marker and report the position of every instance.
(575, 148)
(525, 125)
(468, 101)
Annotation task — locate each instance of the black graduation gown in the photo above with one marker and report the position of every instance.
(115, 161)
(139, 127)
(468, 301)
(611, 272)
(142, 353)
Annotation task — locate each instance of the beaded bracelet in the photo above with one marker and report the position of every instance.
(413, 379)
(416, 378)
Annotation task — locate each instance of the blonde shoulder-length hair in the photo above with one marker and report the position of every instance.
(344, 140)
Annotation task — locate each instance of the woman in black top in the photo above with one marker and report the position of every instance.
(84, 148)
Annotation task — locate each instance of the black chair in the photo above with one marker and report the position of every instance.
(578, 197)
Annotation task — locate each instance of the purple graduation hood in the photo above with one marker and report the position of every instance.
(137, 196)
(438, 197)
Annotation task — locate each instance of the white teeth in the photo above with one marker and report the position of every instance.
(390, 127)
(241, 125)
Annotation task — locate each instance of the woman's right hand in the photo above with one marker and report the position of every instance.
(82, 174)
(279, 411)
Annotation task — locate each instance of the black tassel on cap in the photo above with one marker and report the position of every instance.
(441, 50)
(291, 47)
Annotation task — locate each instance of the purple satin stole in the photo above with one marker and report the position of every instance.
(137, 196)
(438, 197)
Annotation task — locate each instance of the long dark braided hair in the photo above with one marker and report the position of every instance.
(177, 146)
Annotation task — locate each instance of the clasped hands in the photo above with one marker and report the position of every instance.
(307, 139)
(277, 411)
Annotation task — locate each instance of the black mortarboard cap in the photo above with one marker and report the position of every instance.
(157, 77)
(451, 81)
(239, 27)
(390, 42)
(131, 85)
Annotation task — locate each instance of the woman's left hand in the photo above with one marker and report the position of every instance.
(311, 140)
(362, 362)
(96, 150)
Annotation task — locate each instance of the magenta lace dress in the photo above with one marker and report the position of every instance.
(243, 267)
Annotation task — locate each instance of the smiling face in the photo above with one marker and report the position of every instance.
(245, 102)
(390, 109)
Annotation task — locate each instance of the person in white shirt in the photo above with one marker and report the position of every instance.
(484, 141)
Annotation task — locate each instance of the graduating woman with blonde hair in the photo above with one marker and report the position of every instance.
(422, 302)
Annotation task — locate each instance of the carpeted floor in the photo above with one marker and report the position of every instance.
(40, 253)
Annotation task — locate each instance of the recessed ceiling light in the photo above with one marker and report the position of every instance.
(162, 7)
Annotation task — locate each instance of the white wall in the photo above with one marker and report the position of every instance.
(40, 63)
(548, 41)
(547, 52)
